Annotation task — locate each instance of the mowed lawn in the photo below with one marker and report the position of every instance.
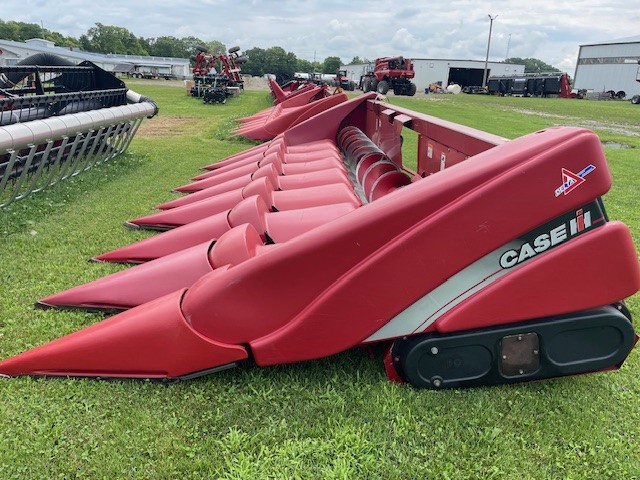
(334, 418)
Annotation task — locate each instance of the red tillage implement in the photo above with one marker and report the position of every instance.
(493, 263)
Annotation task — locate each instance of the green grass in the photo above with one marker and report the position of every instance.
(334, 418)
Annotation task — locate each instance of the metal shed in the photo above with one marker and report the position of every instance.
(12, 52)
(609, 66)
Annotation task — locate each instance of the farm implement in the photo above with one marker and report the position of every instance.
(216, 77)
(296, 88)
(492, 262)
(58, 119)
(295, 108)
(390, 73)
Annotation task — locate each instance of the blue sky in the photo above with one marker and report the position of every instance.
(550, 31)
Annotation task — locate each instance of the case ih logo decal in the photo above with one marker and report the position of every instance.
(551, 235)
(571, 181)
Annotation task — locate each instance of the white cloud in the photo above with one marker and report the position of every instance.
(403, 40)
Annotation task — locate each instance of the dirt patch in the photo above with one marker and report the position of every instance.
(255, 83)
(621, 129)
(250, 83)
(161, 82)
(160, 126)
(615, 145)
(537, 113)
(626, 130)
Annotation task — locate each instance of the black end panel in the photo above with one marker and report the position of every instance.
(100, 79)
(583, 342)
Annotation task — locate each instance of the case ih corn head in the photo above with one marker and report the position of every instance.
(290, 108)
(494, 262)
(214, 87)
(58, 119)
(390, 73)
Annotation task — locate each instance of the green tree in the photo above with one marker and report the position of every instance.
(145, 44)
(111, 39)
(30, 30)
(60, 40)
(331, 64)
(273, 60)
(305, 66)
(10, 31)
(532, 65)
(281, 63)
(257, 64)
(166, 47)
(214, 47)
(359, 61)
(20, 31)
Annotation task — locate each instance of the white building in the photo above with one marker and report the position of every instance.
(465, 73)
(609, 66)
(12, 52)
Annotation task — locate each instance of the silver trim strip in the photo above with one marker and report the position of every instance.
(425, 311)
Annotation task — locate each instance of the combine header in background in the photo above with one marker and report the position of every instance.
(58, 119)
(390, 73)
(290, 107)
(531, 85)
(213, 86)
(553, 84)
(324, 240)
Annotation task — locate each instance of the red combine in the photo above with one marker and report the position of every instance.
(493, 262)
(390, 73)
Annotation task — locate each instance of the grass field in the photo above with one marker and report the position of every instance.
(335, 418)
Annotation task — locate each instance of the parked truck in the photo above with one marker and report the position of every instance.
(390, 73)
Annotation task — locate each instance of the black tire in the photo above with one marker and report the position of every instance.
(383, 87)
(241, 59)
(234, 49)
(366, 85)
(635, 99)
(352, 86)
(412, 90)
(621, 95)
(200, 48)
(611, 94)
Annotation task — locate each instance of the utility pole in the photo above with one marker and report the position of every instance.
(508, 46)
(486, 60)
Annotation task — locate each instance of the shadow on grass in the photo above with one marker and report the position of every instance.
(20, 215)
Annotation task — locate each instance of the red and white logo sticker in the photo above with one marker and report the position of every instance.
(571, 180)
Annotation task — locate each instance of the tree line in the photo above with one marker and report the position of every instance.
(532, 65)
(112, 39)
